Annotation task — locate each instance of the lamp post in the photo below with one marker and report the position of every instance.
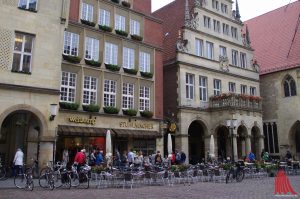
(231, 124)
(53, 111)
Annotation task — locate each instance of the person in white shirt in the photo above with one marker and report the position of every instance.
(18, 162)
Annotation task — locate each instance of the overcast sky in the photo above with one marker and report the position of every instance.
(248, 8)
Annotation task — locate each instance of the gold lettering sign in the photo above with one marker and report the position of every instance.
(136, 125)
(82, 120)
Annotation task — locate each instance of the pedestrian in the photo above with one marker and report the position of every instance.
(80, 159)
(117, 158)
(177, 157)
(158, 159)
(251, 157)
(92, 158)
(130, 157)
(99, 158)
(182, 157)
(65, 158)
(18, 162)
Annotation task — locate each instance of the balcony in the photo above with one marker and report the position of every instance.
(232, 101)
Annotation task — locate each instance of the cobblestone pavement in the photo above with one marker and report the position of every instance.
(249, 188)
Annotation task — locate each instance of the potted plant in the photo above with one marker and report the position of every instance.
(126, 4)
(91, 108)
(146, 74)
(112, 67)
(271, 170)
(92, 63)
(129, 112)
(72, 59)
(131, 71)
(69, 106)
(105, 28)
(136, 37)
(122, 33)
(147, 114)
(86, 22)
(111, 110)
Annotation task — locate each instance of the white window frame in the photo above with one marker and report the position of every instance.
(135, 27)
(253, 91)
(243, 60)
(71, 40)
(27, 2)
(217, 87)
(216, 25)
(190, 86)
(145, 98)
(128, 96)
(206, 20)
(145, 61)
(209, 50)
(69, 85)
(225, 29)
(104, 17)
(234, 32)
(224, 8)
(22, 53)
(109, 93)
(111, 53)
(235, 58)
(87, 12)
(223, 51)
(199, 47)
(89, 90)
(91, 49)
(128, 58)
(232, 87)
(243, 89)
(203, 88)
(120, 22)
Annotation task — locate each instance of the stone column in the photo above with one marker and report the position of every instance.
(234, 136)
(243, 148)
(248, 144)
(182, 144)
(261, 144)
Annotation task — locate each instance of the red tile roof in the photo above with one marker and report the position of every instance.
(275, 37)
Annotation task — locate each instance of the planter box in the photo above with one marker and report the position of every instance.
(147, 114)
(89, 23)
(136, 37)
(130, 71)
(92, 63)
(91, 108)
(105, 28)
(116, 1)
(112, 67)
(72, 59)
(69, 106)
(121, 32)
(126, 4)
(146, 74)
(129, 112)
(110, 110)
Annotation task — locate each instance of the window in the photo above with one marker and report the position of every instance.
(189, 85)
(87, 12)
(244, 89)
(147, 146)
(104, 17)
(111, 53)
(91, 49)
(134, 27)
(223, 51)
(225, 29)
(253, 91)
(109, 93)
(89, 90)
(128, 96)
(144, 62)
(271, 138)
(68, 87)
(234, 32)
(289, 87)
(120, 23)
(216, 25)
(71, 43)
(235, 55)
(22, 57)
(215, 4)
(199, 47)
(224, 8)
(217, 87)
(231, 87)
(206, 21)
(209, 50)
(128, 58)
(28, 4)
(243, 60)
(203, 88)
(144, 98)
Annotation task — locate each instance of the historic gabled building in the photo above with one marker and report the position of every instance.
(210, 79)
(275, 36)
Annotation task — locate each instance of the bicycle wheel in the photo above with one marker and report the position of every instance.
(57, 180)
(29, 182)
(229, 177)
(240, 176)
(2, 173)
(20, 181)
(84, 180)
(67, 181)
(74, 180)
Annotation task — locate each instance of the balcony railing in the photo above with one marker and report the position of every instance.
(236, 101)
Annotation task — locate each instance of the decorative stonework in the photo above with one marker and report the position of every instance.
(224, 63)
(200, 3)
(255, 65)
(181, 44)
(6, 49)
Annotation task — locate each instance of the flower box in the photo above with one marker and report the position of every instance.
(126, 4)
(69, 106)
(72, 59)
(112, 67)
(105, 28)
(147, 114)
(91, 108)
(122, 33)
(130, 71)
(146, 74)
(92, 63)
(89, 23)
(129, 112)
(116, 1)
(111, 110)
(136, 37)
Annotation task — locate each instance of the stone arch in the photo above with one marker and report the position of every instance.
(223, 143)
(242, 133)
(294, 139)
(255, 136)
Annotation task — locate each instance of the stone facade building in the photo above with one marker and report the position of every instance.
(278, 54)
(210, 79)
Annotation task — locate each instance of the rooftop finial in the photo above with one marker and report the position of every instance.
(187, 12)
(237, 10)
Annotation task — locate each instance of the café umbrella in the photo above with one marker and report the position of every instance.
(212, 146)
(108, 145)
(169, 145)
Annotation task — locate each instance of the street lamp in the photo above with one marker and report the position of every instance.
(231, 124)
(53, 111)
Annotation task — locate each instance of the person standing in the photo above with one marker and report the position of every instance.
(182, 157)
(99, 158)
(18, 162)
(80, 158)
(130, 157)
(158, 158)
(251, 157)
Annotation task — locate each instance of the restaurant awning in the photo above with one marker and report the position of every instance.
(80, 131)
(136, 133)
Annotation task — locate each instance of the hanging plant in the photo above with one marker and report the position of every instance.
(146, 74)
(136, 37)
(130, 71)
(105, 28)
(89, 23)
(91, 108)
(72, 59)
(111, 110)
(92, 63)
(129, 112)
(147, 114)
(122, 33)
(112, 67)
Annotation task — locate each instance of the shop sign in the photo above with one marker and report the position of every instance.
(82, 120)
(136, 125)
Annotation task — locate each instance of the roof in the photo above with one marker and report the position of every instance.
(275, 37)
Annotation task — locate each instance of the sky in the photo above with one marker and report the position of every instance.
(248, 8)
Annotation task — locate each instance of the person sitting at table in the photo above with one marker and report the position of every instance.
(251, 157)
(158, 158)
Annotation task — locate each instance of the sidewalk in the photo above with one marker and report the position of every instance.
(9, 183)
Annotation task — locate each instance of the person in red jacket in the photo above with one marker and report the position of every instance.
(80, 158)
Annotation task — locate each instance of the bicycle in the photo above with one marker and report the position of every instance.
(236, 172)
(46, 179)
(62, 177)
(25, 180)
(80, 177)
(2, 171)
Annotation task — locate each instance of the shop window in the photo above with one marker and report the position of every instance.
(148, 146)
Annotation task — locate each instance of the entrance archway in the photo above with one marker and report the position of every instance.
(20, 129)
(294, 140)
(255, 132)
(241, 141)
(224, 144)
(196, 134)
